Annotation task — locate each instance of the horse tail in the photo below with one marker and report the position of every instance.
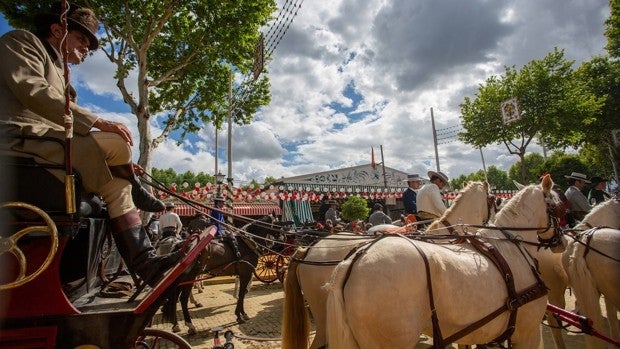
(339, 333)
(586, 291)
(295, 327)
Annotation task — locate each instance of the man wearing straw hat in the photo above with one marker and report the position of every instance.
(430, 202)
(410, 194)
(578, 201)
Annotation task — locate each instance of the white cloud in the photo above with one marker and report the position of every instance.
(400, 58)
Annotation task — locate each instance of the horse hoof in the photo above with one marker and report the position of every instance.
(198, 305)
(176, 328)
(241, 320)
(245, 316)
(191, 332)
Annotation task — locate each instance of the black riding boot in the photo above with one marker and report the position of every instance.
(141, 197)
(135, 247)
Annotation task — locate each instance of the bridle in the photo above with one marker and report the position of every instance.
(553, 220)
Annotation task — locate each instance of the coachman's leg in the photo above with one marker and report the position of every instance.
(135, 247)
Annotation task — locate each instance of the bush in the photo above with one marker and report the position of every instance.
(354, 208)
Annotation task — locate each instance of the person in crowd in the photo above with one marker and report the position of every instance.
(170, 222)
(198, 223)
(32, 96)
(579, 205)
(410, 194)
(152, 227)
(217, 216)
(323, 209)
(332, 213)
(429, 200)
(598, 194)
(378, 216)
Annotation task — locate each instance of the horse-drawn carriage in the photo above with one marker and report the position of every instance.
(50, 270)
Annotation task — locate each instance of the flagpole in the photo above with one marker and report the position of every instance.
(383, 166)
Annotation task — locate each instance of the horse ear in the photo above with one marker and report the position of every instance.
(518, 185)
(546, 183)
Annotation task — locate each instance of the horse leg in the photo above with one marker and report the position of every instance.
(186, 291)
(612, 319)
(193, 300)
(244, 280)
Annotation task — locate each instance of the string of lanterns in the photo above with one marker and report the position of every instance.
(291, 193)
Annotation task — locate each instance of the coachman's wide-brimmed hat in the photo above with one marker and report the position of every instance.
(596, 180)
(78, 18)
(578, 176)
(413, 178)
(441, 175)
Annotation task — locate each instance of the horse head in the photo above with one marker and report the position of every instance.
(534, 207)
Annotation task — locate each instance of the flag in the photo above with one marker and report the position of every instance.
(372, 158)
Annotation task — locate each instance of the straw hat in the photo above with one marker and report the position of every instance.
(441, 175)
(413, 178)
(578, 176)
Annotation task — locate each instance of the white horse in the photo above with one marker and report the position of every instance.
(382, 298)
(606, 214)
(592, 263)
(311, 268)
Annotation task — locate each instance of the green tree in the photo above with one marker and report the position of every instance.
(354, 208)
(546, 93)
(532, 163)
(601, 77)
(183, 52)
(612, 29)
(560, 164)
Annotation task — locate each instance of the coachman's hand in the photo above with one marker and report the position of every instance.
(114, 127)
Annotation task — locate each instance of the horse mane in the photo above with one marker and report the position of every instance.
(464, 194)
(598, 213)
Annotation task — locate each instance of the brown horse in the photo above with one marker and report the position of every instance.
(219, 259)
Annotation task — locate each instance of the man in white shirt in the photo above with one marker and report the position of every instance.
(430, 201)
(170, 223)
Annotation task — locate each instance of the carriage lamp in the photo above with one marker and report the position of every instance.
(219, 178)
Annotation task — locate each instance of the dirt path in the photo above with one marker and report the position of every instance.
(264, 305)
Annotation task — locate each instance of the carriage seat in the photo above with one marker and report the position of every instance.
(33, 183)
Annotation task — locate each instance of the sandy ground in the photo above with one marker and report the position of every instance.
(264, 305)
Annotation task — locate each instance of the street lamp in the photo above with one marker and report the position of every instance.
(219, 178)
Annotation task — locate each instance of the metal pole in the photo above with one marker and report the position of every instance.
(383, 166)
(435, 140)
(229, 197)
(216, 150)
(484, 166)
(230, 123)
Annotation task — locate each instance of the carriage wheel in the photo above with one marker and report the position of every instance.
(265, 270)
(9, 244)
(152, 338)
(282, 262)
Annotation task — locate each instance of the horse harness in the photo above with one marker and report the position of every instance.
(514, 301)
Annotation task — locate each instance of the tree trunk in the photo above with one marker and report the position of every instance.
(523, 169)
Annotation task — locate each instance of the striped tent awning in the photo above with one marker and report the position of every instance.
(299, 212)
(242, 209)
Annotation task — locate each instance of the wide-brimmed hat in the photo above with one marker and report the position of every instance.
(413, 178)
(378, 206)
(78, 18)
(169, 204)
(439, 174)
(578, 176)
(596, 180)
(332, 202)
(219, 198)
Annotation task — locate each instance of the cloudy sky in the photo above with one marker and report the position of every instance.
(349, 75)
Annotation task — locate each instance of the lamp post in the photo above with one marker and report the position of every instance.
(219, 178)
